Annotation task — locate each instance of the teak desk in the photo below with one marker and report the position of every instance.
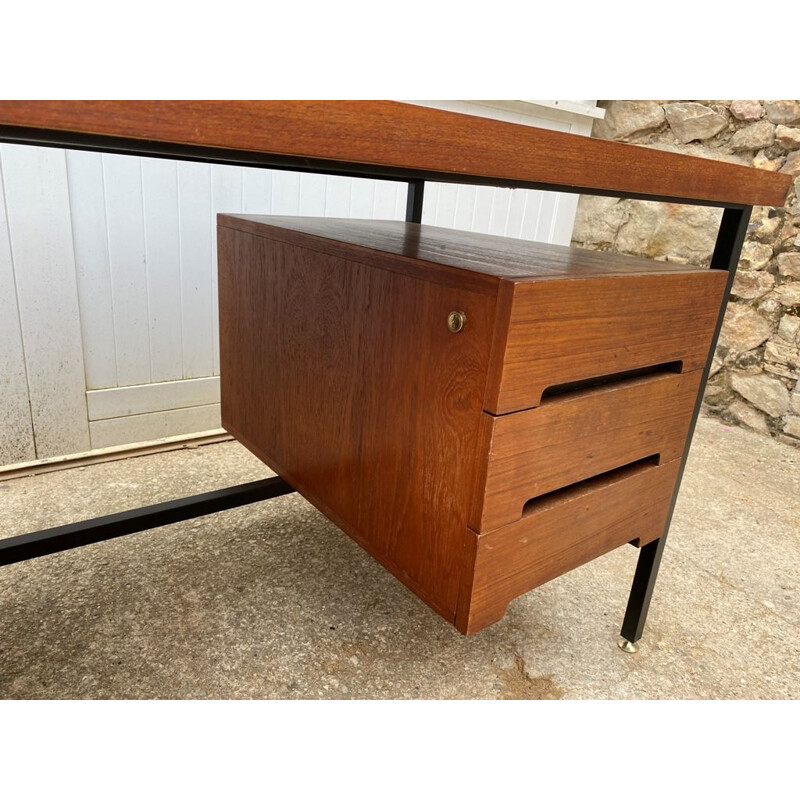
(557, 450)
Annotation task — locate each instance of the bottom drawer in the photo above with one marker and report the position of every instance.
(560, 532)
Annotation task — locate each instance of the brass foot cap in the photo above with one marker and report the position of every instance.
(628, 647)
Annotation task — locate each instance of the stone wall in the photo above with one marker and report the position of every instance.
(757, 364)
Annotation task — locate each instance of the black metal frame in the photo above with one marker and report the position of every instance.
(727, 248)
(100, 529)
(730, 239)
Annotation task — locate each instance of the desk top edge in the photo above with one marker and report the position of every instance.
(388, 135)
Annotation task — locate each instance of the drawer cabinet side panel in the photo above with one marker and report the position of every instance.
(345, 379)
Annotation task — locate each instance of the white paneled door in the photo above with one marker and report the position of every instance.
(108, 311)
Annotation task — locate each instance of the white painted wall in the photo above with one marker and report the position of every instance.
(16, 424)
(39, 238)
(108, 313)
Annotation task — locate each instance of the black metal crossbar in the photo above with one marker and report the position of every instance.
(99, 529)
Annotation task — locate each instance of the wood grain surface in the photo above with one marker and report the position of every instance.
(579, 435)
(564, 331)
(402, 137)
(475, 256)
(345, 379)
(560, 534)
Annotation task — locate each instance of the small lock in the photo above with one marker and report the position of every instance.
(456, 321)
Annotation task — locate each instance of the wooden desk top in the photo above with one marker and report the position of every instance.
(386, 139)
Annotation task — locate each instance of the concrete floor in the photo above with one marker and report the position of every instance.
(273, 601)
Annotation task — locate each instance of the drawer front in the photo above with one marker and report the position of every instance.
(565, 331)
(562, 532)
(576, 436)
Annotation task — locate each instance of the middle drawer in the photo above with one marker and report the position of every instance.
(575, 436)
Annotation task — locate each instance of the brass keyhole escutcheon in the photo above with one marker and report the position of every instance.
(456, 320)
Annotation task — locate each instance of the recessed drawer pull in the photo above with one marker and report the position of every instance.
(671, 367)
(544, 501)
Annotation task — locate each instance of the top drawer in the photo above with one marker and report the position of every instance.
(555, 332)
(561, 314)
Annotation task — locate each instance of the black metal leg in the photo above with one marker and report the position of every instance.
(416, 191)
(99, 529)
(644, 579)
(727, 249)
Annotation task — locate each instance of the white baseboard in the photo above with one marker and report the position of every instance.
(157, 425)
(151, 397)
(116, 453)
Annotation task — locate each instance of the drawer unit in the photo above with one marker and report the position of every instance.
(480, 414)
